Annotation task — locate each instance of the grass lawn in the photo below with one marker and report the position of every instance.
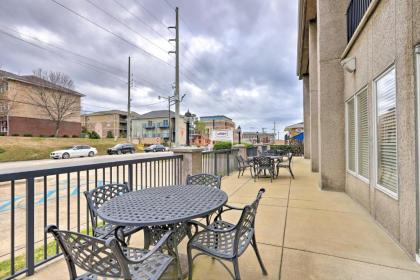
(31, 148)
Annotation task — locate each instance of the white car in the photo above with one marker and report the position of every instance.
(75, 151)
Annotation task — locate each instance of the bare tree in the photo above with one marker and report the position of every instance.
(7, 101)
(55, 97)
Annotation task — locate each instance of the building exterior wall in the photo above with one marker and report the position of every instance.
(25, 117)
(387, 39)
(41, 127)
(101, 124)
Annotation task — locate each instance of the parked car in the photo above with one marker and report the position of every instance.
(155, 148)
(75, 151)
(121, 149)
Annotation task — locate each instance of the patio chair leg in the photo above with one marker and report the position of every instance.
(178, 263)
(190, 263)
(291, 173)
(239, 173)
(236, 268)
(254, 245)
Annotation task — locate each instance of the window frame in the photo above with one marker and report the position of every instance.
(355, 97)
(375, 133)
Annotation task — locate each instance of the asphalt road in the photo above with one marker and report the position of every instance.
(26, 166)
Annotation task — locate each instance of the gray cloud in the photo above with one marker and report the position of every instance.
(237, 57)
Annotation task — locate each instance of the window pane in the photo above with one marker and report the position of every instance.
(387, 132)
(363, 134)
(351, 140)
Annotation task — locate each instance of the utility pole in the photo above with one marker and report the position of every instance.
(129, 102)
(274, 129)
(176, 52)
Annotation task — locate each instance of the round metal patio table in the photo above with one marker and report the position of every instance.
(162, 205)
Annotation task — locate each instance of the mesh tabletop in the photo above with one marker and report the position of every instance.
(162, 205)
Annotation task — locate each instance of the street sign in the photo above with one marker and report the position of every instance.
(222, 135)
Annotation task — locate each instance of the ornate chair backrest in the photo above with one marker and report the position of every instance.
(94, 255)
(98, 196)
(263, 162)
(246, 225)
(204, 180)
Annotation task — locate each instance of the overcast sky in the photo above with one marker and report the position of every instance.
(237, 57)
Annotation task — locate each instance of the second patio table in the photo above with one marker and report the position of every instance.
(162, 205)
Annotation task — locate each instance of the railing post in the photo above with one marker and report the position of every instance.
(130, 176)
(215, 163)
(30, 226)
(228, 163)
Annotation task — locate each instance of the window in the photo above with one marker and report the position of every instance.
(358, 135)
(351, 136)
(386, 133)
(3, 87)
(165, 123)
(362, 134)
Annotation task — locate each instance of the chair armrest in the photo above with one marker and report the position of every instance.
(156, 248)
(198, 224)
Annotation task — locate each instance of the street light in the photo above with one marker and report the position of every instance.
(239, 134)
(188, 118)
(258, 137)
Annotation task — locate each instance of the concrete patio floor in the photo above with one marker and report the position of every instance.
(302, 233)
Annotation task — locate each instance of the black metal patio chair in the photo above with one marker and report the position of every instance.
(205, 179)
(226, 241)
(95, 199)
(107, 258)
(243, 165)
(286, 164)
(264, 164)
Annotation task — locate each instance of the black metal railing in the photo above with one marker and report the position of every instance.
(355, 12)
(219, 162)
(30, 199)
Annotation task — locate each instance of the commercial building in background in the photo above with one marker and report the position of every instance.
(153, 127)
(218, 122)
(295, 133)
(258, 137)
(19, 115)
(107, 123)
(358, 61)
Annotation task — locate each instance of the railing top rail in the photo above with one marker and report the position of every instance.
(47, 169)
(224, 151)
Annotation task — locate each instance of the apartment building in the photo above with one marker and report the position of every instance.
(106, 122)
(157, 127)
(19, 115)
(359, 61)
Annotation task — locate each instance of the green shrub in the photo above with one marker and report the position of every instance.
(27, 135)
(65, 136)
(109, 134)
(74, 136)
(94, 135)
(41, 136)
(15, 134)
(222, 145)
(295, 149)
(2, 150)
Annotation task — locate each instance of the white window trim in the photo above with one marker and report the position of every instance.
(375, 139)
(356, 156)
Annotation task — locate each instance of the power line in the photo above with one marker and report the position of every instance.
(110, 32)
(126, 25)
(150, 13)
(94, 67)
(140, 20)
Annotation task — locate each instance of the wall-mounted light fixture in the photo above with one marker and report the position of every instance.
(349, 64)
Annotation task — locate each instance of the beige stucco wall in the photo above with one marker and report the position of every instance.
(22, 104)
(102, 124)
(388, 38)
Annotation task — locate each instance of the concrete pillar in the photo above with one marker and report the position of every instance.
(313, 95)
(192, 161)
(331, 25)
(306, 117)
(241, 150)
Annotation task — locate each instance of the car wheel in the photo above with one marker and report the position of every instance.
(154, 150)
(91, 154)
(66, 156)
(131, 151)
(119, 152)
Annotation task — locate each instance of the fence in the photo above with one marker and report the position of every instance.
(219, 162)
(32, 199)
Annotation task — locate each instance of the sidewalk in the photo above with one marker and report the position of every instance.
(303, 233)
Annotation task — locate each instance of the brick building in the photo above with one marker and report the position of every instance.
(19, 115)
